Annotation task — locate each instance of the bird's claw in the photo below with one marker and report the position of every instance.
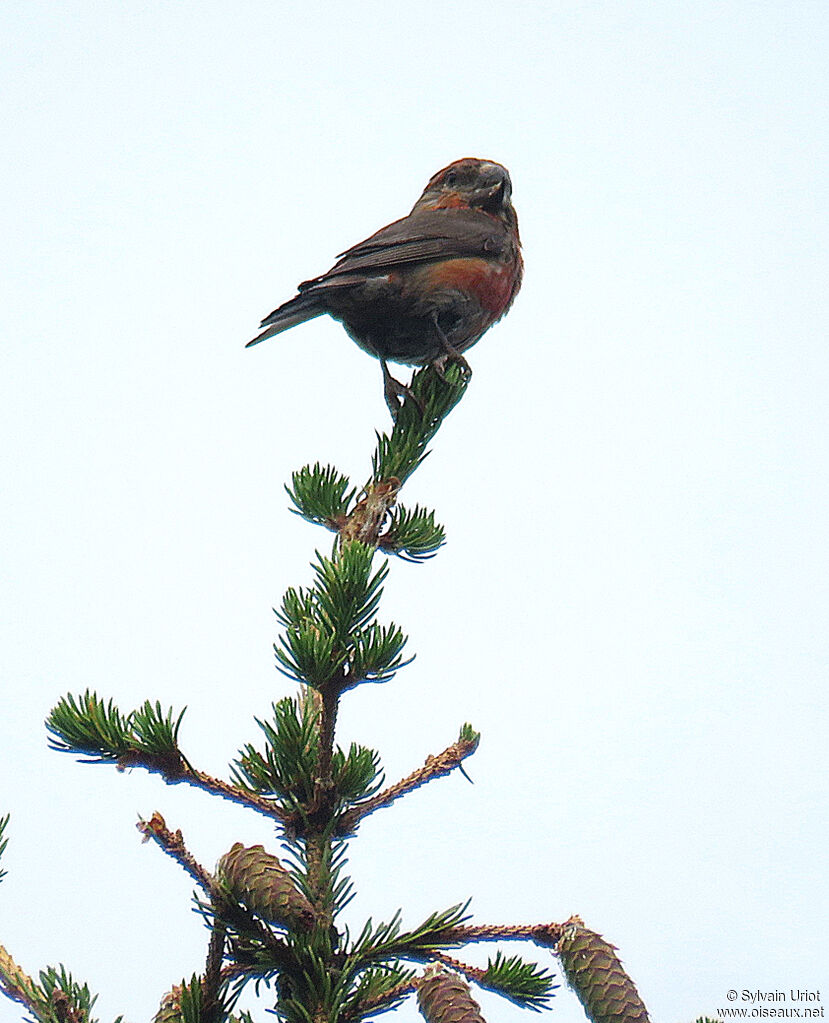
(450, 354)
(396, 393)
(439, 364)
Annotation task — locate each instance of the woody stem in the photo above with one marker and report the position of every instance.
(327, 724)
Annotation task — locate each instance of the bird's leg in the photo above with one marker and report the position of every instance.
(449, 352)
(394, 391)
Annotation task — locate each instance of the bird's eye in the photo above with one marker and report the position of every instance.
(451, 179)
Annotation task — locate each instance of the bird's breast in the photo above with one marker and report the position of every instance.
(492, 284)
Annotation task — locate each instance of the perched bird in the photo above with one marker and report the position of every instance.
(425, 288)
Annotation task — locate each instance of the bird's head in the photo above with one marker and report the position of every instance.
(473, 183)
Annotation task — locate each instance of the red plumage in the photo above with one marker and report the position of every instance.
(424, 288)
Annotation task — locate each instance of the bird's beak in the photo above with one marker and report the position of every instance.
(494, 190)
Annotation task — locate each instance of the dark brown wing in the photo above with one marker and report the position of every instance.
(422, 237)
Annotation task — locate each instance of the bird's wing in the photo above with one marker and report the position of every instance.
(422, 237)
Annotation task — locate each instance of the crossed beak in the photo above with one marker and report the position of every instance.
(494, 190)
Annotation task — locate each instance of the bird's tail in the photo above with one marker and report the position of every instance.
(298, 310)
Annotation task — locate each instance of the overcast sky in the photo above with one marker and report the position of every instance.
(633, 602)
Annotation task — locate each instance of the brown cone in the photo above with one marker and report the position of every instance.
(594, 972)
(443, 997)
(260, 882)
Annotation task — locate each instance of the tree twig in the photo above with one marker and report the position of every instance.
(173, 844)
(213, 970)
(177, 771)
(542, 934)
(435, 767)
(369, 514)
(470, 972)
(15, 983)
(370, 1006)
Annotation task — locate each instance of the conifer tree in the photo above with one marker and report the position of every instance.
(275, 918)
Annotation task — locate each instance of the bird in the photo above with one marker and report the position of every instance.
(425, 288)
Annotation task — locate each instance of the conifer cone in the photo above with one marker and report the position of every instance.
(443, 997)
(260, 882)
(594, 972)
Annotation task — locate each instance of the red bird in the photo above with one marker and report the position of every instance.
(425, 288)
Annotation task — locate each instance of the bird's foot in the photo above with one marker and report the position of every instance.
(439, 364)
(450, 354)
(396, 393)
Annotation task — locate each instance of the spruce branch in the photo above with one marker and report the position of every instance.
(146, 737)
(542, 934)
(398, 454)
(156, 731)
(173, 844)
(212, 983)
(321, 495)
(527, 984)
(332, 640)
(317, 870)
(235, 794)
(357, 774)
(376, 654)
(546, 935)
(347, 592)
(68, 1000)
(55, 998)
(366, 522)
(318, 873)
(378, 989)
(307, 654)
(89, 726)
(325, 496)
(275, 923)
(474, 973)
(388, 941)
(435, 767)
(412, 535)
(524, 983)
(250, 933)
(324, 792)
(590, 964)
(288, 766)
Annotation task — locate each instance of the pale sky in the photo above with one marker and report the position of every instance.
(632, 606)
